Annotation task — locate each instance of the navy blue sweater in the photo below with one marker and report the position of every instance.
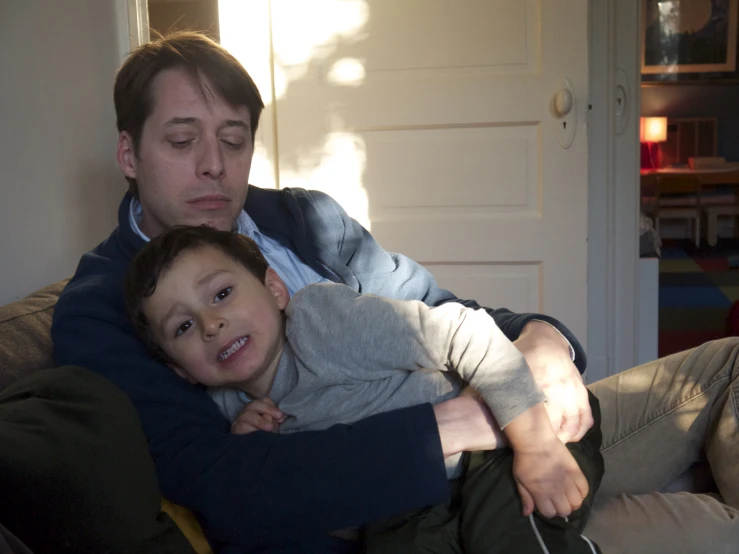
(265, 489)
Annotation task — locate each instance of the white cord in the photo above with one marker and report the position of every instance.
(538, 536)
(590, 544)
(544, 546)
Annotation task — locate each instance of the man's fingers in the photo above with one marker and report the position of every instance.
(526, 500)
(555, 414)
(570, 427)
(586, 422)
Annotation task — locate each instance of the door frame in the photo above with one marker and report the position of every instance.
(613, 183)
(132, 25)
(613, 188)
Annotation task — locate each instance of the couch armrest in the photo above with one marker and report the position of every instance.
(25, 334)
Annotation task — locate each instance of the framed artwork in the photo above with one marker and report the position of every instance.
(689, 40)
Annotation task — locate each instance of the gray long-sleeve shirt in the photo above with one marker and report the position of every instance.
(349, 356)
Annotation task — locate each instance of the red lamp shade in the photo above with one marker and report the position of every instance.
(651, 131)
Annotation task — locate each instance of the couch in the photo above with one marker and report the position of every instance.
(25, 350)
(32, 458)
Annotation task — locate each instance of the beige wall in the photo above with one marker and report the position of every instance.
(59, 185)
(192, 15)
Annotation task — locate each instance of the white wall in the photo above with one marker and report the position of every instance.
(59, 185)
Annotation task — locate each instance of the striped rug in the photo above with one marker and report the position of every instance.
(696, 290)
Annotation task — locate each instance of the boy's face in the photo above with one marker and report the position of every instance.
(217, 322)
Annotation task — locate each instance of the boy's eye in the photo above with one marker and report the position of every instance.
(223, 293)
(182, 328)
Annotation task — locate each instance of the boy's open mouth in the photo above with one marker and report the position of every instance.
(234, 347)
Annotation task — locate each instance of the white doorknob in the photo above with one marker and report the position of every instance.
(563, 106)
(563, 102)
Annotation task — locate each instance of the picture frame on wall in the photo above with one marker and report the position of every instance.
(689, 40)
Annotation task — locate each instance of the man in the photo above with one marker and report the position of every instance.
(187, 114)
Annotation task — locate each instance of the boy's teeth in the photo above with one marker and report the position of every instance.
(223, 356)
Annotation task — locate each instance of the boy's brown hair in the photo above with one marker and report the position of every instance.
(157, 257)
(204, 59)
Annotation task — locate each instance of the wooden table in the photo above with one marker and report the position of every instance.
(707, 177)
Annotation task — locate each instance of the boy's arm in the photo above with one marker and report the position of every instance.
(366, 333)
(263, 488)
(547, 476)
(365, 337)
(376, 271)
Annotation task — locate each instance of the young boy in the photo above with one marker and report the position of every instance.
(206, 303)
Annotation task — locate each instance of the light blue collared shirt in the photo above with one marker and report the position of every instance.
(295, 273)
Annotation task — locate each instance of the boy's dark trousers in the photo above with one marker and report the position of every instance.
(484, 514)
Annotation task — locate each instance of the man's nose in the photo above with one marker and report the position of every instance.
(210, 164)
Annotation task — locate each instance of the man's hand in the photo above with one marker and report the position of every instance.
(548, 355)
(258, 415)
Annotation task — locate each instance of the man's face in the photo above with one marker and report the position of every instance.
(217, 322)
(194, 157)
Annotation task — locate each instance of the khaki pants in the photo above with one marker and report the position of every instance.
(658, 420)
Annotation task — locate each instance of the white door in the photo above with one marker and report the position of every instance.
(433, 122)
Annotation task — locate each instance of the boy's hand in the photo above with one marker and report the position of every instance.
(258, 415)
(549, 479)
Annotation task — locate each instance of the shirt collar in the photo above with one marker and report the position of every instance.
(134, 216)
(244, 223)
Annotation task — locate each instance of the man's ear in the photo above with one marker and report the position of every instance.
(125, 155)
(277, 287)
(182, 373)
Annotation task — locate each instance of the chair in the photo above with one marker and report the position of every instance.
(717, 204)
(676, 197)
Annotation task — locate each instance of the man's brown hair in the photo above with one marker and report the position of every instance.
(157, 257)
(204, 59)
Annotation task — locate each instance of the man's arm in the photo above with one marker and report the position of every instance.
(263, 488)
(548, 356)
(466, 424)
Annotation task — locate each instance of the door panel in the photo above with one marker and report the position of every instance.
(432, 122)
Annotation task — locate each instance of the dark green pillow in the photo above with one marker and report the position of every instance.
(75, 471)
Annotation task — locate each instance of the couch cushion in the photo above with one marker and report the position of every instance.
(25, 340)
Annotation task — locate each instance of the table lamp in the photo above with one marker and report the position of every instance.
(652, 131)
